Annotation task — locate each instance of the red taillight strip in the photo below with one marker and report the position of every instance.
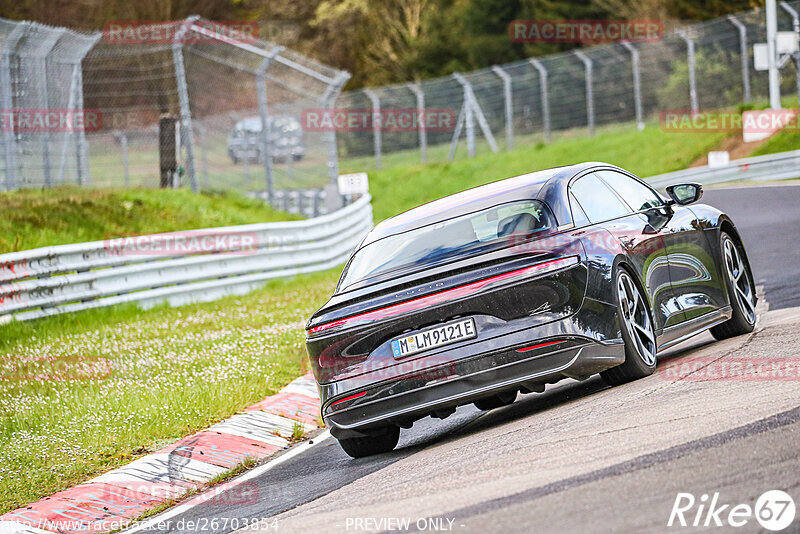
(351, 397)
(448, 294)
(540, 345)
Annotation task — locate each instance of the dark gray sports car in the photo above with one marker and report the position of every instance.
(566, 272)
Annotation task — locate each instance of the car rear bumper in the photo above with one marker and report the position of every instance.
(523, 360)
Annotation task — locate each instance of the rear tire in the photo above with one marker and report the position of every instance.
(496, 401)
(741, 293)
(374, 444)
(636, 326)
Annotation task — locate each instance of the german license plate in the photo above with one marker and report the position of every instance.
(434, 337)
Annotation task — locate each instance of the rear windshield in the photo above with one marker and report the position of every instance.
(446, 241)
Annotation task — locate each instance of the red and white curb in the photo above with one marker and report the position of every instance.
(113, 499)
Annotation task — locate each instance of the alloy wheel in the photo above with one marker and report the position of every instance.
(633, 311)
(740, 280)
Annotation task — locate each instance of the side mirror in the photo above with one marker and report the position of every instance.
(685, 193)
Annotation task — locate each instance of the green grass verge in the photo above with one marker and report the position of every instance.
(84, 393)
(783, 141)
(646, 153)
(36, 218)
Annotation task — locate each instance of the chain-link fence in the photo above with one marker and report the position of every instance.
(40, 90)
(219, 89)
(706, 66)
(222, 90)
(243, 106)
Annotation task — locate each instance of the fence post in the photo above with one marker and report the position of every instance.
(545, 99)
(469, 115)
(423, 134)
(471, 111)
(183, 97)
(637, 83)
(81, 149)
(692, 80)
(745, 55)
(123, 141)
(204, 156)
(328, 98)
(7, 102)
(587, 63)
(795, 56)
(509, 103)
(266, 127)
(41, 58)
(376, 125)
(68, 135)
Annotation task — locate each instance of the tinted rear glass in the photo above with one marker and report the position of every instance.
(446, 241)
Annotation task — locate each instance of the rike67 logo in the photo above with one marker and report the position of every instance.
(774, 511)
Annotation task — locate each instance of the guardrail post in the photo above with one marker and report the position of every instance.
(692, 80)
(540, 68)
(423, 134)
(588, 65)
(637, 83)
(266, 151)
(796, 56)
(328, 98)
(183, 98)
(509, 105)
(744, 54)
(376, 125)
(7, 102)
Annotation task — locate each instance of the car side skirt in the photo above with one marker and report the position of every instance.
(683, 331)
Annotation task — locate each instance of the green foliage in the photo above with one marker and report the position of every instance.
(715, 69)
(36, 218)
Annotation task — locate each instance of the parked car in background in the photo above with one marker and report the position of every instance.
(285, 136)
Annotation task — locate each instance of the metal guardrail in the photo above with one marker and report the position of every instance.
(66, 278)
(781, 166)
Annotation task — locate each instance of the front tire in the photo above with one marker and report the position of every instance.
(739, 281)
(637, 330)
(377, 443)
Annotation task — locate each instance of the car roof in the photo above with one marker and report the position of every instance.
(254, 123)
(548, 185)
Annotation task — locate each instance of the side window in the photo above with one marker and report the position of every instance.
(638, 196)
(579, 217)
(597, 200)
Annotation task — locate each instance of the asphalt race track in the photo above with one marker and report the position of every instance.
(581, 457)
